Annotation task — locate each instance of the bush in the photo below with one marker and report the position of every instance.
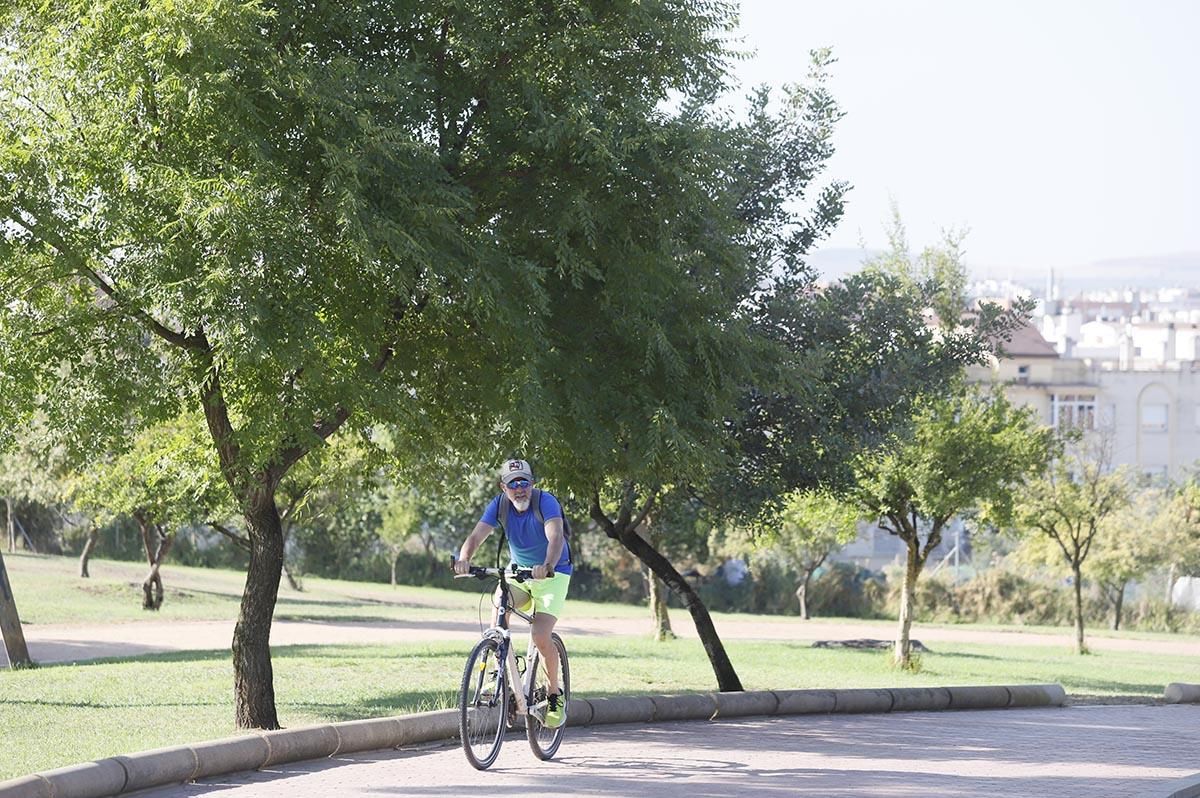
(849, 591)
(1002, 596)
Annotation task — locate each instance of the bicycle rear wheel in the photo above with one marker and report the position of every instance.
(545, 741)
(483, 704)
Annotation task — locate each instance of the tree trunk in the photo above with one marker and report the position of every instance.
(902, 655)
(153, 600)
(12, 527)
(253, 677)
(658, 606)
(10, 624)
(802, 593)
(86, 555)
(293, 582)
(625, 534)
(156, 545)
(395, 559)
(1118, 605)
(1080, 646)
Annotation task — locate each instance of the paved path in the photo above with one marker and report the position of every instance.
(1077, 751)
(68, 642)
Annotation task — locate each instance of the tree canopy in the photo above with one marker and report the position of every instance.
(438, 218)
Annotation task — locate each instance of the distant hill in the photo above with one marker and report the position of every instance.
(1180, 270)
(1153, 271)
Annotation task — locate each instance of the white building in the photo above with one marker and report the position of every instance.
(1127, 367)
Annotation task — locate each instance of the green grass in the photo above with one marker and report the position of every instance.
(48, 590)
(56, 715)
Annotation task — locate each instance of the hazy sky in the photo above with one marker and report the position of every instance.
(1060, 132)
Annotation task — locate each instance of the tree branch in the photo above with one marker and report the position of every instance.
(598, 515)
(237, 539)
(79, 265)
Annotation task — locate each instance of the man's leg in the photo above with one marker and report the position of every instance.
(519, 598)
(543, 625)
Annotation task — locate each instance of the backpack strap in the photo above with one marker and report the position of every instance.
(502, 519)
(535, 499)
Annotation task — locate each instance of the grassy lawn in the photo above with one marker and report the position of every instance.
(48, 590)
(56, 715)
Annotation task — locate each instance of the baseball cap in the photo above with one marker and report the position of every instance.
(512, 469)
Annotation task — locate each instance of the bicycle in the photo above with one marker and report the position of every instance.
(488, 704)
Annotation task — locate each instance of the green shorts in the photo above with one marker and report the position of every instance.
(549, 595)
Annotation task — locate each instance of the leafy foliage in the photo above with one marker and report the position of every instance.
(295, 217)
(859, 355)
(1068, 505)
(964, 451)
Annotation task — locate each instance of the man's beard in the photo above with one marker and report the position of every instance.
(521, 504)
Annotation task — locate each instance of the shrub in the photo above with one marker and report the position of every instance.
(847, 590)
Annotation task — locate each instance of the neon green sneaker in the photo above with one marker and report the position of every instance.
(556, 711)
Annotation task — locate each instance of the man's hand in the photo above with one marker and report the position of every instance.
(462, 567)
(543, 571)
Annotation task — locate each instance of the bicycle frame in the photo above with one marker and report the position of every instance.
(501, 631)
(503, 634)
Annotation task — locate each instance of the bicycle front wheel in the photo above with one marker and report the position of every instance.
(483, 704)
(544, 740)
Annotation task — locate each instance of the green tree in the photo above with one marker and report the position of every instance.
(671, 300)
(168, 477)
(294, 217)
(964, 450)
(400, 519)
(813, 525)
(1131, 542)
(28, 479)
(937, 272)
(1182, 552)
(1069, 504)
(857, 356)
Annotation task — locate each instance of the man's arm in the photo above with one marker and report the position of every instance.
(470, 546)
(554, 547)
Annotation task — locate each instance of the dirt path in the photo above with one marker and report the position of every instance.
(74, 642)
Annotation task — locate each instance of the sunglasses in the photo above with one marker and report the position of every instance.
(517, 484)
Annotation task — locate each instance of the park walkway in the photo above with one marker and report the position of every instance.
(1091, 751)
(69, 642)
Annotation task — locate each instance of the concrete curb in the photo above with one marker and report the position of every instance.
(1187, 787)
(179, 764)
(1180, 693)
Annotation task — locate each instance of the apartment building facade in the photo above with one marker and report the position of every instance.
(1137, 382)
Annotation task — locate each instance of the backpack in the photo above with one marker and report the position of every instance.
(535, 502)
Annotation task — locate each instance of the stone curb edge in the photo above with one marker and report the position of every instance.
(1187, 787)
(180, 764)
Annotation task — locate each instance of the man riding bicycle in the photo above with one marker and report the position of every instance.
(535, 541)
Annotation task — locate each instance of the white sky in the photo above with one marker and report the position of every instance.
(1059, 132)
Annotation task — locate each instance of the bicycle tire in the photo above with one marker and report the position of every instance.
(542, 740)
(483, 701)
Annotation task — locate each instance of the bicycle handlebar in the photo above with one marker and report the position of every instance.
(479, 572)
